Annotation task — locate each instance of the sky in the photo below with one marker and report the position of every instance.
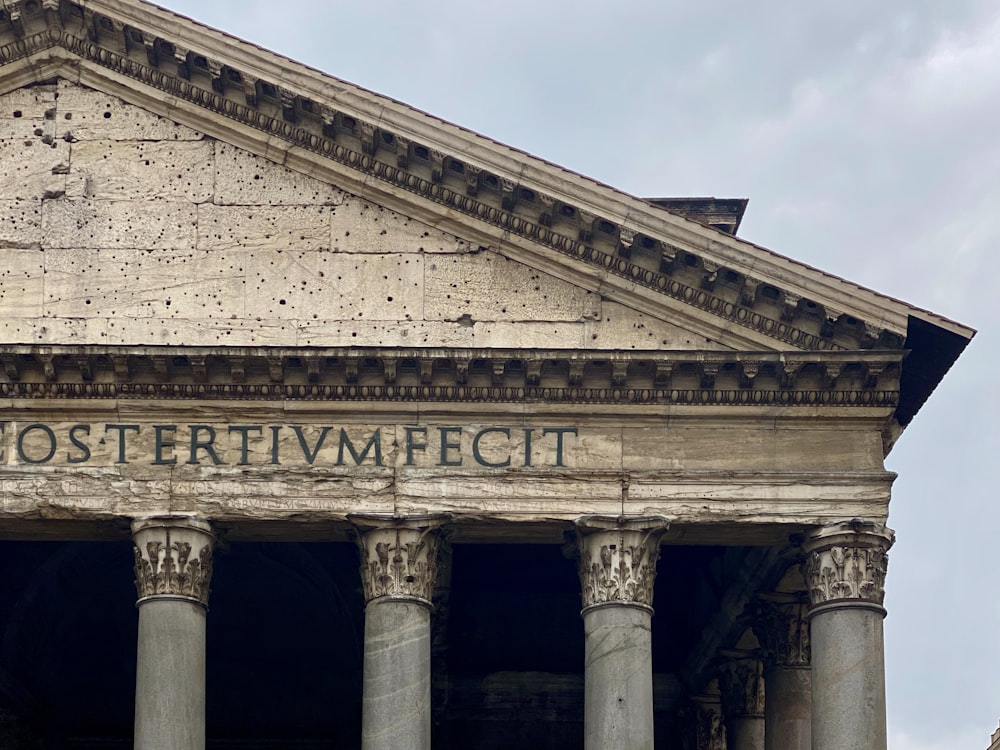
(865, 136)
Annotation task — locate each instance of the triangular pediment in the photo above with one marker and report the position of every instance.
(611, 270)
(131, 229)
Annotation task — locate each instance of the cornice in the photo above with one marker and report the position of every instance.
(315, 122)
(852, 379)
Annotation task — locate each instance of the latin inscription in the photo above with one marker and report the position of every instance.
(491, 447)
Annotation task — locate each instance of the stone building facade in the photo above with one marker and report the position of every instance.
(401, 434)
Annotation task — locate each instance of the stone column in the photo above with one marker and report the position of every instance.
(173, 570)
(742, 686)
(399, 560)
(845, 571)
(782, 627)
(617, 570)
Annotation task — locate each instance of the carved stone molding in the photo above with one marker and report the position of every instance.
(173, 558)
(846, 563)
(479, 375)
(782, 627)
(742, 686)
(617, 560)
(399, 557)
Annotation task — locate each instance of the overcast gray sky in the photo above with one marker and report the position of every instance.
(867, 137)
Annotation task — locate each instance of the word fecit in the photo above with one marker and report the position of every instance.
(491, 447)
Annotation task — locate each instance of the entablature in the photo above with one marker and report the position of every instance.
(842, 379)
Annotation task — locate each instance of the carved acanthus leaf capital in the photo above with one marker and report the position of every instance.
(710, 731)
(617, 560)
(173, 558)
(742, 686)
(847, 562)
(782, 627)
(399, 557)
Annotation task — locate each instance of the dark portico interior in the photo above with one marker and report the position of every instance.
(285, 643)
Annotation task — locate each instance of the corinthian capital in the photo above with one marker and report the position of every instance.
(782, 627)
(742, 686)
(618, 559)
(399, 557)
(846, 563)
(173, 558)
(709, 729)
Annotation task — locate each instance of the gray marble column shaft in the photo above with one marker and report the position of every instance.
(398, 570)
(745, 733)
(396, 709)
(618, 686)
(788, 712)
(617, 569)
(845, 572)
(173, 570)
(782, 627)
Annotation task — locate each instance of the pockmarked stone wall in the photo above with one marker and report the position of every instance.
(123, 227)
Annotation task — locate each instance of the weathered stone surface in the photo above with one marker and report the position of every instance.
(263, 228)
(404, 333)
(362, 226)
(697, 447)
(242, 178)
(85, 114)
(128, 284)
(487, 286)
(621, 327)
(334, 286)
(24, 110)
(21, 284)
(31, 169)
(142, 170)
(22, 222)
(104, 224)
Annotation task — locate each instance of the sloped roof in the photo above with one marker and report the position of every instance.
(629, 249)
